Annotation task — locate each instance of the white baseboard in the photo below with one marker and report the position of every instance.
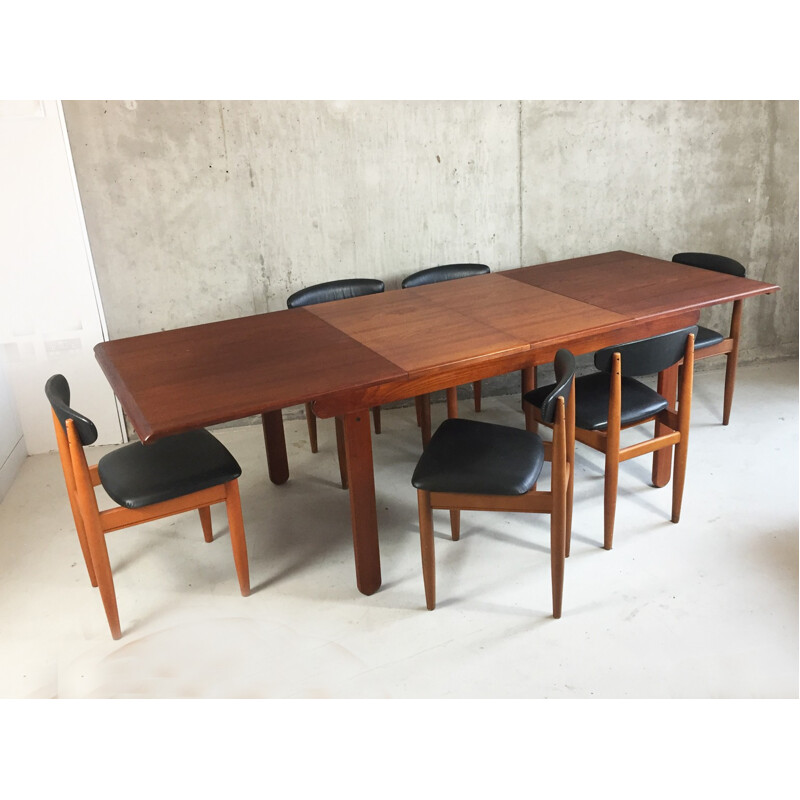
(11, 466)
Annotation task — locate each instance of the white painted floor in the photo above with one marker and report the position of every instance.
(696, 613)
(707, 608)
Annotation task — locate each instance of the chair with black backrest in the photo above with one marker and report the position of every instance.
(487, 467)
(445, 272)
(325, 293)
(179, 473)
(611, 400)
(709, 342)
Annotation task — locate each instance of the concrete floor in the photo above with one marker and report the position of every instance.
(707, 608)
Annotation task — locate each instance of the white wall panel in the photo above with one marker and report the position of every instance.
(50, 318)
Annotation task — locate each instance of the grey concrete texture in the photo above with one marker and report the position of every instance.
(204, 210)
(660, 178)
(209, 210)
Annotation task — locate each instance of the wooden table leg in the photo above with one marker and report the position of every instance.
(662, 459)
(452, 402)
(275, 442)
(528, 385)
(340, 452)
(424, 417)
(363, 514)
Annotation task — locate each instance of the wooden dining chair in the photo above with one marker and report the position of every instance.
(445, 272)
(612, 400)
(325, 293)
(487, 467)
(178, 473)
(709, 342)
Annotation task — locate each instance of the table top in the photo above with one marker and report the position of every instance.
(178, 380)
(639, 286)
(362, 351)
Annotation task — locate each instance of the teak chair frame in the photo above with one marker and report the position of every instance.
(556, 502)
(729, 347)
(676, 423)
(92, 524)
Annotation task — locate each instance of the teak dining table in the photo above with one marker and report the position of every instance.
(350, 355)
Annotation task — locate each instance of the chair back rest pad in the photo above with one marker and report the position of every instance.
(446, 272)
(712, 262)
(564, 368)
(646, 356)
(57, 391)
(334, 290)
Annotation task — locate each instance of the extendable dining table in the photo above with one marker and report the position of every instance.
(350, 355)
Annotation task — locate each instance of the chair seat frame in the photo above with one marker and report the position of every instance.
(728, 347)
(671, 430)
(92, 524)
(557, 502)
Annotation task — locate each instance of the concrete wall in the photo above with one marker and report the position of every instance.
(199, 211)
(663, 177)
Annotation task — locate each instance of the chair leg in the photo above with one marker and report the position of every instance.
(476, 394)
(730, 381)
(376, 418)
(311, 421)
(340, 450)
(570, 447)
(730, 361)
(568, 515)
(558, 525)
(69, 479)
(452, 402)
(81, 531)
(610, 496)
(684, 419)
(233, 505)
(679, 477)
(455, 524)
(529, 377)
(612, 441)
(205, 521)
(426, 545)
(105, 581)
